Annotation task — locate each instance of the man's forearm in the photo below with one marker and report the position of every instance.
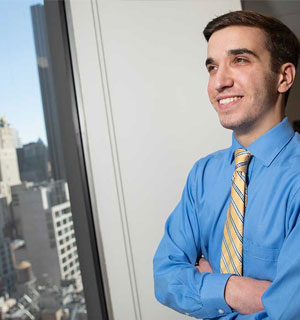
(242, 294)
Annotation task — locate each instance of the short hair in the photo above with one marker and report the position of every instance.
(281, 42)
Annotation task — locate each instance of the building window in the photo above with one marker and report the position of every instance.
(67, 210)
(35, 180)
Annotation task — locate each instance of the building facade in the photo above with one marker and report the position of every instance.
(33, 162)
(43, 220)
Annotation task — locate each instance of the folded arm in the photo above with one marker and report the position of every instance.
(178, 284)
(242, 294)
(280, 298)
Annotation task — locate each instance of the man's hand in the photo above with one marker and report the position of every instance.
(204, 266)
(242, 294)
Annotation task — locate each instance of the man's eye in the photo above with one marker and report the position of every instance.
(211, 68)
(241, 60)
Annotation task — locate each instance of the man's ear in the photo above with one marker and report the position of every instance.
(287, 75)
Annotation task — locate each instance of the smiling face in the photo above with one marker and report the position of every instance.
(242, 88)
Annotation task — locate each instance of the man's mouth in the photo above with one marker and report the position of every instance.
(229, 100)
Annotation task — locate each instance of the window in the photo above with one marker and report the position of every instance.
(67, 210)
(37, 96)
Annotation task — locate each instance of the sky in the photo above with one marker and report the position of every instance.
(20, 96)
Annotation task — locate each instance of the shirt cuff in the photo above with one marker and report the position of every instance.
(212, 294)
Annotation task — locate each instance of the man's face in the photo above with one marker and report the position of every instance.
(242, 88)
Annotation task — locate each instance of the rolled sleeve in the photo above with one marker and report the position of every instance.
(212, 295)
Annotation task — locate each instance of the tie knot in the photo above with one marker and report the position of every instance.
(242, 158)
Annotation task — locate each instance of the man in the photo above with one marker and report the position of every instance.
(231, 246)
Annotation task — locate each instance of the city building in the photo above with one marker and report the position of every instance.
(24, 308)
(17, 139)
(50, 101)
(7, 273)
(43, 219)
(33, 162)
(9, 169)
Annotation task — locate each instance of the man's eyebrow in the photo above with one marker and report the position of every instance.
(209, 61)
(238, 51)
(233, 52)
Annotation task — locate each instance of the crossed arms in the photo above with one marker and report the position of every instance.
(242, 294)
(207, 294)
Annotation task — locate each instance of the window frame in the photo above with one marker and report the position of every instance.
(76, 171)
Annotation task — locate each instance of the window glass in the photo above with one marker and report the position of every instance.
(34, 195)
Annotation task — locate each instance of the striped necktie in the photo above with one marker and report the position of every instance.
(232, 244)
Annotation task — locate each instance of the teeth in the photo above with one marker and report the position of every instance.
(228, 100)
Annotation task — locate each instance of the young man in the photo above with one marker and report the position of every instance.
(231, 246)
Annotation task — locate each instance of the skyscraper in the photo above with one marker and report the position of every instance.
(50, 103)
(9, 169)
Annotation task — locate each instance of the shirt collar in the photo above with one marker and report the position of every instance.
(268, 146)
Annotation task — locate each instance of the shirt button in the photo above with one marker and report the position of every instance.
(221, 311)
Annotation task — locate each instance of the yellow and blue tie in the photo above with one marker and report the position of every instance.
(232, 244)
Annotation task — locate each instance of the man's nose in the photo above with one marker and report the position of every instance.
(223, 78)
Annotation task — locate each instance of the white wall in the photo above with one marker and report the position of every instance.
(146, 118)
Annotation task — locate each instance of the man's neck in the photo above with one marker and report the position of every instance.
(246, 137)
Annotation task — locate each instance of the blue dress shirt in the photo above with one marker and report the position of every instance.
(271, 245)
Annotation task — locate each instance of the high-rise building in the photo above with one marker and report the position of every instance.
(9, 169)
(17, 139)
(33, 162)
(9, 172)
(50, 102)
(7, 274)
(43, 220)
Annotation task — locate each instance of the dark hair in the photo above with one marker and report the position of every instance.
(281, 42)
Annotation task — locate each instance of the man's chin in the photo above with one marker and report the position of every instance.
(231, 125)
(239, 127)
